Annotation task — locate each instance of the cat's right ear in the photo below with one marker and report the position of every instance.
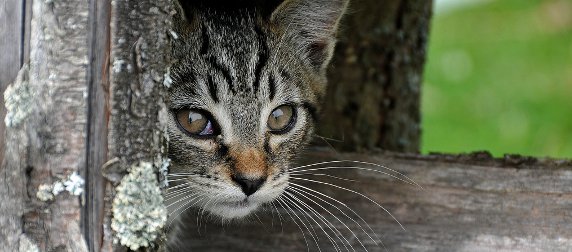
(186, 16)
(313, 24)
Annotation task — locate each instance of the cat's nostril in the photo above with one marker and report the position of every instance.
(249, 186)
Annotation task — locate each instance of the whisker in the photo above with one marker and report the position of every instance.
(177, 186)
(326, 222)
(185, 206)
(328, 143)
(332, 241)
(279, 215)
(311, 192)
(182, 174)
(331, 139)
(324, 175)
(356, 162)
(177, 180)
(261, 223)
(338, 219)
(182, 199)
(352, 191)
(312, 231)
(172, 195)
(282, 204)
(408, 181)
(204, 207)
(184, 210)
(272, 214)
(302, 192)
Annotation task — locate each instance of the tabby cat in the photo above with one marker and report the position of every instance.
(247, 84)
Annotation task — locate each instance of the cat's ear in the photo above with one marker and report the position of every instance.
(313, 24)
(186, 16)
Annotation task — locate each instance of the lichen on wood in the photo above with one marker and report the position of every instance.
(73, 184)
(18, 99)
(139, 214)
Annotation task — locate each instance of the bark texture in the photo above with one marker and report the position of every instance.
(92, 76)
(375, 77)
(467, 203)
(48, 143)
(139, 62)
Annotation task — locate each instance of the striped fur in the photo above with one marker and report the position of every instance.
(239, 64)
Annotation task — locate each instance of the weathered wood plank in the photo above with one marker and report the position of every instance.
(11, 40)
(45, 138)
(56, 126)
(98, 121)
(462, 207)
(11, 24)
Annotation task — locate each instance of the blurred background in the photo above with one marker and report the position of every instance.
(499, 78)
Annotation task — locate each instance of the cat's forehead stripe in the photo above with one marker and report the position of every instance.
(262, 57)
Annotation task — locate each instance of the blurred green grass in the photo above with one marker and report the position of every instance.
(499, 78)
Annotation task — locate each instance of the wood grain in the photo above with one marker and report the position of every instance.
(11, 36)
(139, 59)
(56, 127)
(49, 144)
(11, 40)
(462, 207)
(98, 121)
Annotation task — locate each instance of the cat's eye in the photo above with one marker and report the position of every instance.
(197, 123)
(282, 119)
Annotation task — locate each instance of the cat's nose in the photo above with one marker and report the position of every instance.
(249, 186)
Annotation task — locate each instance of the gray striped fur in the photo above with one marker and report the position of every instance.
(239, 64)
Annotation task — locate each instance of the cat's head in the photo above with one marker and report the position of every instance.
(248, 78)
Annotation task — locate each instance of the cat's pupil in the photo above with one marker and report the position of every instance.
(281, 119)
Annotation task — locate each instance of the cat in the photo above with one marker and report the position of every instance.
(248, 79)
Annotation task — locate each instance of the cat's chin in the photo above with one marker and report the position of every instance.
(233, 210)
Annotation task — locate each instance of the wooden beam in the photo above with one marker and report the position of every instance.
(468, 203)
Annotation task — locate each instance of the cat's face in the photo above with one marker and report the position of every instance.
(245, 94)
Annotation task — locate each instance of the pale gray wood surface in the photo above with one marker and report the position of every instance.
(49, 143)
(11, 40)
(462, 207)
(11, 36)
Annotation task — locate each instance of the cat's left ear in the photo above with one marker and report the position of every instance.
(313, 24)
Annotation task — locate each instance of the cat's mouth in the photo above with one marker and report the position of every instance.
(233, 209)
(237, 208)
(237, 204)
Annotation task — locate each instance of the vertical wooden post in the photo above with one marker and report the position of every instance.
(139, 62)
(94, 90)
(46, 130)
(15, 18)
(12, 33)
